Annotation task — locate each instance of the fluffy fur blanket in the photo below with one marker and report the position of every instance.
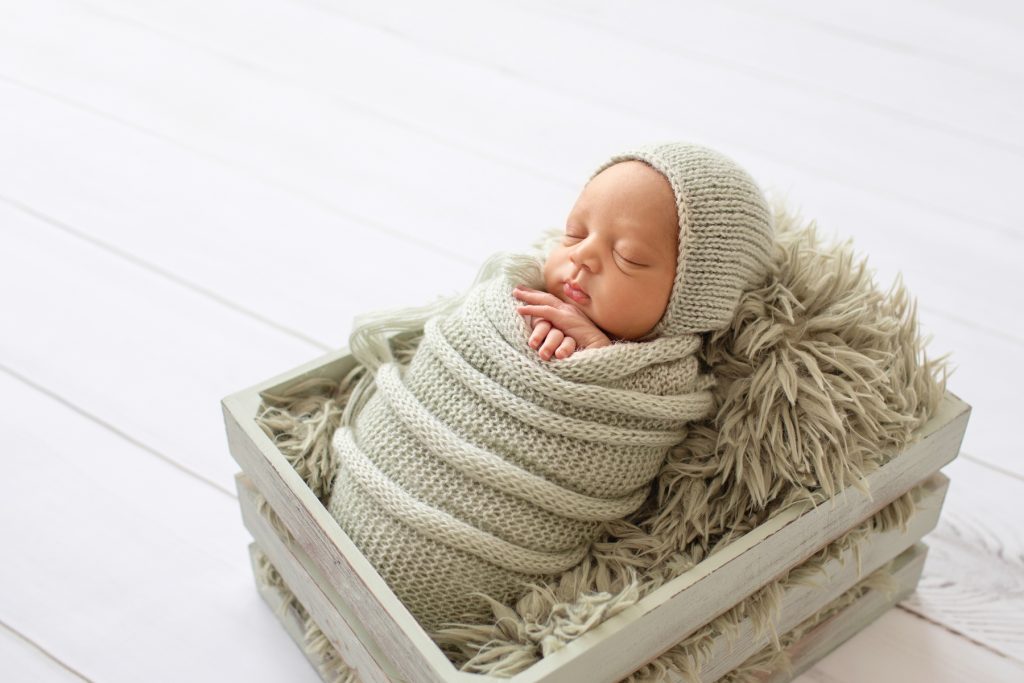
(819, 373)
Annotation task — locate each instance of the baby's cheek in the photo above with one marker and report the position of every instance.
(595, 311)
(550, 281)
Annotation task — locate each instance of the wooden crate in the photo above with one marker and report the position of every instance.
(377, 635)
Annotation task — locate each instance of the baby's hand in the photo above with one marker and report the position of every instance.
(560, 319)
(549, 340)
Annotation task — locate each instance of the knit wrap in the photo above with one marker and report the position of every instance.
(479, 466)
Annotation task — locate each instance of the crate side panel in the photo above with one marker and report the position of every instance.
(346, 570)
(833, 632)
(344, 632)
(841, 574)
(326, 606)
(285, 614)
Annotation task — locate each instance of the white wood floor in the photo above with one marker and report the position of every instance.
(198, 194)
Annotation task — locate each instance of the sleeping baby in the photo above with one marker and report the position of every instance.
(541, 403)
(612, 274)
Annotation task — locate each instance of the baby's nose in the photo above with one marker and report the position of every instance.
(581, 258)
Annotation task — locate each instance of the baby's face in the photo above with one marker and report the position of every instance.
(619, 248)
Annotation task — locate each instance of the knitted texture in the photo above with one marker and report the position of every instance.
(725, 234)
(479, 466)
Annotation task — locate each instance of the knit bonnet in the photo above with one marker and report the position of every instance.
(725, 234)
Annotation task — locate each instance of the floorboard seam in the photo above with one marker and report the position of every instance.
(42, 650)
(960, 634)
(106, 425)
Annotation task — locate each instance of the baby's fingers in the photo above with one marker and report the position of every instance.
(539, 332)
(533, 296)
(547, 349)
(566, 348)
(556, 316)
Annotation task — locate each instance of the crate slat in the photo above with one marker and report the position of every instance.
(344, 631)
(834, 631)
(801, 601)
(289, 617)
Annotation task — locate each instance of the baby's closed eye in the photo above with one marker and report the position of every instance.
(630, 262)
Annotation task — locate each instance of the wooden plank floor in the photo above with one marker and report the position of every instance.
(196, 195)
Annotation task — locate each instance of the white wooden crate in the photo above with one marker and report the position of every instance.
(380, 638)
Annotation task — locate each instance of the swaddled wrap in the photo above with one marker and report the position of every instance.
(479, 465)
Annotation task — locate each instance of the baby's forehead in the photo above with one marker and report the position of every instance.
(635, 187)
(632, 199)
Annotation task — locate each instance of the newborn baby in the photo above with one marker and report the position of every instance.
(612, 274)
(527, 419)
